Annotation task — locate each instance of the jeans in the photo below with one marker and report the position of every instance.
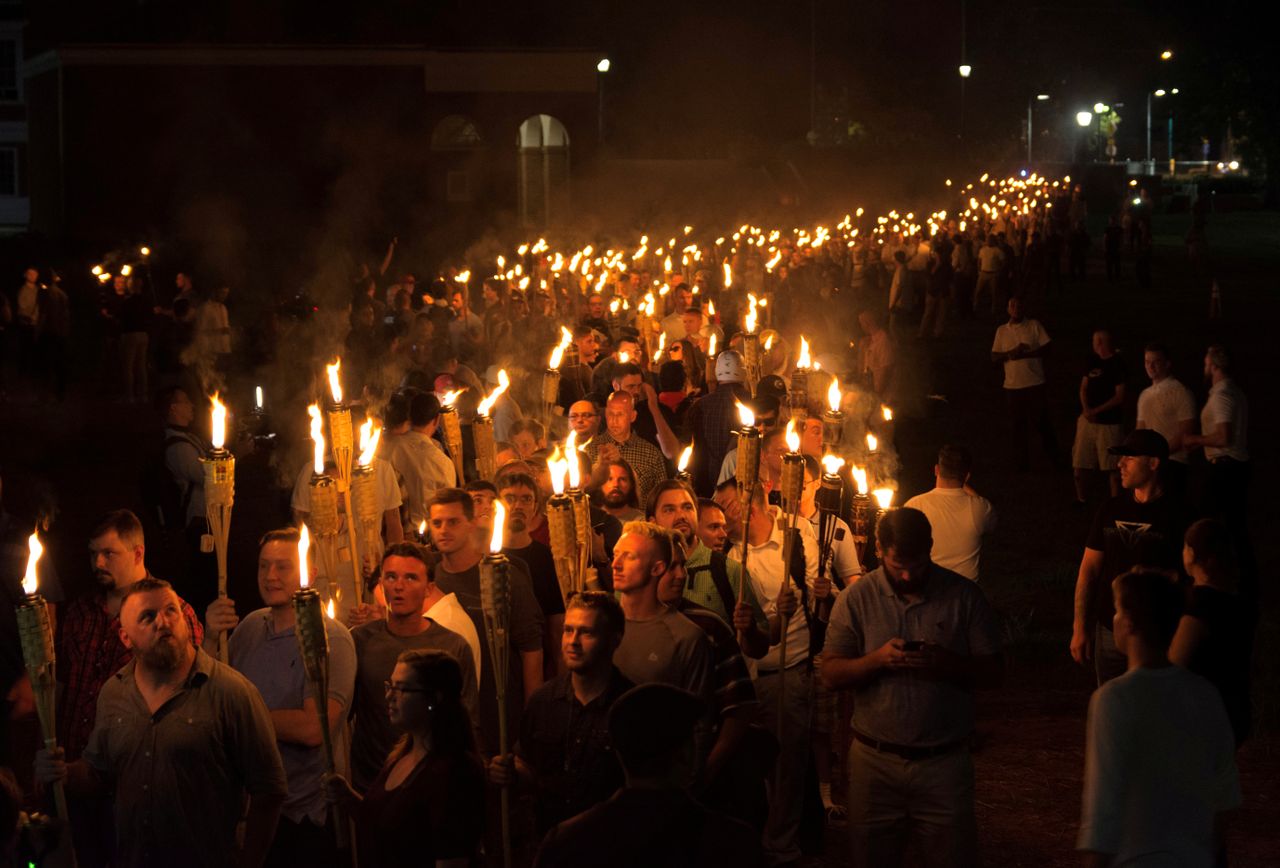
(786, 791)
(133, 364)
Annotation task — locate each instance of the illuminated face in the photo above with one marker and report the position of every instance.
(617, 488)
(771, 456)
(676, 510)
(1136, 470)
(684, 298)
(153, 628)
(181, 411)
(450, 527)
(458, 301)
(588, 347)
(618, 416)
(278, 575)
(634, 565)
(405, 584)
(114, 562)
(585, 640)
(692, 322)
(522, 506)
(906, 573)
(525, 444)
(584, 419)
(595, 306)
(712, 529)
(409, 705)
(671, 585)
(631, 384)
(811, 437)
(483, 506)
(1156, 365)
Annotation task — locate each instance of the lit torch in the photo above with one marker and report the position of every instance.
(791, 487)
(551, 381)
(747, 476)
(495, 600)
(342, 447)
(751, 344)
(798, 394)
(711, 363)
(323, 516)
(482, 429)
(862, 512)
(364, 492)
(452, 427)
(219, 496)
(682, 466)
(35, 631)
(833, 418)
(581, 511)
(562, 526)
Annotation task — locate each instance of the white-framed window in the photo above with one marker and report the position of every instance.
(10, 67)
(8, 171)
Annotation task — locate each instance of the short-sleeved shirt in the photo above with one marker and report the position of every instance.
(1227, 403)
(525, 631)
(959, 520)
(667, 649)
(1164, 407)
(1132, 534)
(1102, 376)
(568, 746)
(1159, 766)
(900, 707)
(844, 548)
(377, 650)
(766, 570)
(1021, 373)
(700, 587)
(180, 774)
(424, 467)
(730, 676)
(273, 663)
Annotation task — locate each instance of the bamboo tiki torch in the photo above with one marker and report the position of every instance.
(562, 526)
(581, 514)
(495, 599)
(751, 346)
(482, 429)
(219, 496)
(791, 487)
(342, 444)
(313, 647)
(323, 515)
(884, 502)
(711, 363)
(833, 418)
(747, 475)
(862, 513)
(827, 500)
(551, 381)
(798, 393)
(35, 632)
(452, 427)
(364, 491)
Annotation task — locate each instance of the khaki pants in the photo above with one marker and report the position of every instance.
(929, 801)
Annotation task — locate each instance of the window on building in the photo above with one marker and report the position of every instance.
(8, 171)
(10, 59)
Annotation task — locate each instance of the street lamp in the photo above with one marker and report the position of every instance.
(1084, 118)
(965, 70)
(601, 68)
(1166, 55)
(1158, 92)
(1101, 108)
(1040, 97)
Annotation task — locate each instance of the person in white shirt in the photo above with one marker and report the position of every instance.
(673, 324)
(1160, 756)
(990, 267)
(1167, 406)
(766, 532)
(1020, 346)
(419, 460)
(959, 516)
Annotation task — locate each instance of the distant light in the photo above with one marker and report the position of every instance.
(1233, 165)
(1174, 91)
(1023, 173)
(1101, 108)
(1166, 55)
(1160, 92)
(603, 65)
(965, 70)
(1137, 201)
(1084, 118)
(1221, 166)
(1133, 183)
(1042, 96)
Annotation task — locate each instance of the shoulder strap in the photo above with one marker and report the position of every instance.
(720, 575)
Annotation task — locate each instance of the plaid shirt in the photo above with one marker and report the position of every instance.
(712, 422)
(642, 456)
(89, 652)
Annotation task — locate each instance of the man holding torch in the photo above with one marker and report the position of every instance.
(180, 740)
(264, 648)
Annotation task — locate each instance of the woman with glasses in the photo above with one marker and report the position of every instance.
(427, 806)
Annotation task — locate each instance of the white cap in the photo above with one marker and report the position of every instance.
(729, 367)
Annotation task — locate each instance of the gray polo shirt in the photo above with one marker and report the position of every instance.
(273, 663)
(901, 707)
(181, 774)
(377, 650)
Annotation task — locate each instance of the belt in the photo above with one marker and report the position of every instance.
(909, 752)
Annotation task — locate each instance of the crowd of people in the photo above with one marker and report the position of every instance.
(740, 671)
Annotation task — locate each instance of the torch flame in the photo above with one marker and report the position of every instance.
(884, 497)
(257, 397)
(218, 434)
(624, 356)
(96, 270)
(683, 464)
(558, 466)
(335, 384)
(422, 528)
(304, 544)
(369, 435)
(557, 355)
(487, 404)
(728, 276)
(126, 270)
(792, 436)
(711, 309)
(804, 360)
(768, 343)
(329, 611)
(745, 415)
(499, 525)
(860, 479)
(887, 412)
(833, 395)
(463, 276)
(831, 464)
(872, 443)
(317, 436)
(571, 456)
(34, 550)
(711, 345)
(450, 398)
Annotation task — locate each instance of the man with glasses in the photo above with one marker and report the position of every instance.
(584, 419)
(406, 583)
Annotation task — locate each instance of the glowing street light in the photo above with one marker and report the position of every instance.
(1159, 92)
(603, 65)
(965, 70)
(1166, 55)
(1084, 118)
(1101, 108)
(1042, 96)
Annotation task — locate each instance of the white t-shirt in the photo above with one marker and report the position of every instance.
(1159, 765)
(764, 563)
(990, 258)
(844, 549)
(1021, 373)
(1227, 403)
(448, 613)
(959, 520)
(1163, 407)
(424, 467)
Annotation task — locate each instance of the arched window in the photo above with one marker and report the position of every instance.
(543, 161)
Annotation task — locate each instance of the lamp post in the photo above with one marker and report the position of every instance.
(1084, 119)
(1040, 97)
(601, 68)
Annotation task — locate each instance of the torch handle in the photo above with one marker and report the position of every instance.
(353, 539)
(505, 793)
(341, 823)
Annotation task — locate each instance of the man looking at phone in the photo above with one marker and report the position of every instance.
(913, 640)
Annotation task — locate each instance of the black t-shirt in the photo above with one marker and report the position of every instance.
(1103, 376)
(437, 813)
(1223, 654)
(542, 570)
(1131, 534)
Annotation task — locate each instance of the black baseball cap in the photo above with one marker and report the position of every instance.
(1143, 442)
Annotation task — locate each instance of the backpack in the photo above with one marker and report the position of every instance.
(165, 500)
